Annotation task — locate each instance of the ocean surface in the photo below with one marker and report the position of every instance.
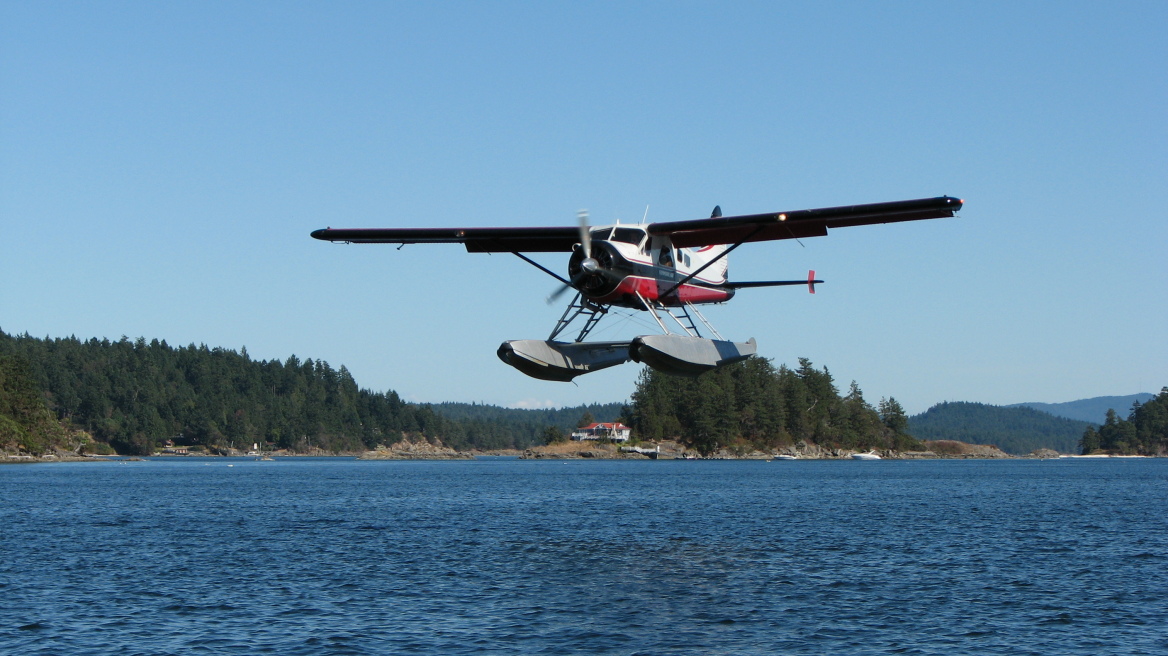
(506, 556)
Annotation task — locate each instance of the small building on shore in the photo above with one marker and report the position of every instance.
(615, 432)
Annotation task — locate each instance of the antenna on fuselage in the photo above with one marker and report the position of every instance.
(645, 219)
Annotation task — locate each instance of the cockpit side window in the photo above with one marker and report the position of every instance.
(666, 257)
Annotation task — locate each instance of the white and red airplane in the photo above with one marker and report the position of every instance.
(665, 269)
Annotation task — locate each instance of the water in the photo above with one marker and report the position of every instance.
(329, 556)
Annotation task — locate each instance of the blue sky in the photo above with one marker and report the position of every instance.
(161, 166)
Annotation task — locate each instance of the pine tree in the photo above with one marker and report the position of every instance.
(1089, 443)
(25, 423)
(893, 416)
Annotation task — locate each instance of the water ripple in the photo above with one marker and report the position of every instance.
(343, 557)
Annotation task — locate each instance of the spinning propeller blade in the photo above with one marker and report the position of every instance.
(552, 297)
(588, 265)
(585, 233)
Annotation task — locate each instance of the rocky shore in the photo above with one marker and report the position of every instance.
(669, 450)
(665, 450)
(60, 456)
(420, 450)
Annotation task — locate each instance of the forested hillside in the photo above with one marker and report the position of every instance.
(1016, 430)
(1144, 432)
(530, 421)
(25, 423)
(754, 405)
(135, 394)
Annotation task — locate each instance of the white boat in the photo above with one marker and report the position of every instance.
(871, 455)
(785, 456)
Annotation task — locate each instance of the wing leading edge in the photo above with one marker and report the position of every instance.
(476, 240)
(702, 232)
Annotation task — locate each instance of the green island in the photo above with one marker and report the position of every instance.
(66, 398)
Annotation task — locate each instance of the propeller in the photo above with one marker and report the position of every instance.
(587, 266)
(585, 233)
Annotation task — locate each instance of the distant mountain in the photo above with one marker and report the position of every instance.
(1091, 410)
(1016, 430)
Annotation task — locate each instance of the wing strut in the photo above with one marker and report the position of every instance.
(541, 267)
(707, 264)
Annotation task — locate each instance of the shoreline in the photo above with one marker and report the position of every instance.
(667, 450)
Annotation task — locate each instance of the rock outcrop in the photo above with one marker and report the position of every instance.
(420, 450)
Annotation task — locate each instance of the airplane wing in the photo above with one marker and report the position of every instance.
(476, 240)
(702, 232)
(800, 223)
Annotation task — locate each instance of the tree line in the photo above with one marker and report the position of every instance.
(754, 405)
(134, 395)
(535, 421)
(1144, 432)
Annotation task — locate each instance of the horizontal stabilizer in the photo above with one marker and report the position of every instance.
(811, 282)
(770, 283)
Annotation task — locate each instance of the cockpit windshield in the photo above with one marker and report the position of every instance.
(632, 236)
(628, 235)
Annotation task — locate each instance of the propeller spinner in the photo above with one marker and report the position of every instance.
(588, 266)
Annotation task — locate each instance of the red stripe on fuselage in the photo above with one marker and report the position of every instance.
(650, 289)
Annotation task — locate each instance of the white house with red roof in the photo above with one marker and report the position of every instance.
(617, 432)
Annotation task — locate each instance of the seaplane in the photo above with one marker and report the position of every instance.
(666, 269)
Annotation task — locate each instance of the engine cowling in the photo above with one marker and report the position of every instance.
(600, 276)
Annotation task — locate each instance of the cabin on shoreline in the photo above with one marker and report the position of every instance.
(615, 432)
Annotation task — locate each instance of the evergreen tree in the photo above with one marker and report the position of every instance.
(751, 404)
(25, 423)
(553, 435)
(893, 416)
(136, 394)
(1144, 432)
(1089, 443)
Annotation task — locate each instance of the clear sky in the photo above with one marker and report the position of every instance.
(162, 164)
